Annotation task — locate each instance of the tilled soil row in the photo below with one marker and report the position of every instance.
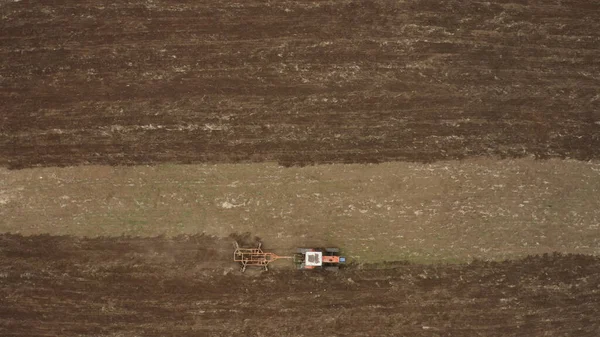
(297, 82)
(187, 286)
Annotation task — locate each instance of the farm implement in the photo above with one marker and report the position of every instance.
(304, 258)
(255, 257)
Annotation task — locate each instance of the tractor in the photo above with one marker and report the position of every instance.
(318, 258)
(305, 258)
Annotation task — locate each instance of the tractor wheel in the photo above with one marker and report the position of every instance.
(332, 250)
(334, 269)
(302, 250)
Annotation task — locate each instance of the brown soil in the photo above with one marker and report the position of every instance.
(297, 82)
(187, 286)
(448, 211)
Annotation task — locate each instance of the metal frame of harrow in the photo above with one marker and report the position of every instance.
(254, 257)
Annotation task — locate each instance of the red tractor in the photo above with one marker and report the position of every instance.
(315, 258)
(305, 258)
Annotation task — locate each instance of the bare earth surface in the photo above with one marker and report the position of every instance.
(447, 211)
(186, 286)
(241, 90)
(297, 82)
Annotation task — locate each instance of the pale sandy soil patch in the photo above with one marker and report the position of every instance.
(449, 211)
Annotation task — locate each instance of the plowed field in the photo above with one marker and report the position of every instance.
(297, 82)
(186, 286)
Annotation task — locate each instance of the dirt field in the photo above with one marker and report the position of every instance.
(452, 99)
(447, 211)
(63, 286)
(297, 82)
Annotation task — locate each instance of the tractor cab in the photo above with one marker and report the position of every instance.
(313, 259)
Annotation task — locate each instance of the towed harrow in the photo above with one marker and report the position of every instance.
(305, 258)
